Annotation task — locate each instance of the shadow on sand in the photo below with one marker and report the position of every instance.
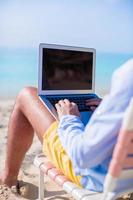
(30, 191)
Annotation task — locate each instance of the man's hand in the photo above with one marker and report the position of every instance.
(65, 107)
(93, 103)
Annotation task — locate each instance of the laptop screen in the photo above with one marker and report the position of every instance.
(66, 69)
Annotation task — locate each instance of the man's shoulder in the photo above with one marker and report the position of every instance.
(126, 68)
(122, 79)
(124, 72)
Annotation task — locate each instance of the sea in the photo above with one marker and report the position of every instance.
(19, 68)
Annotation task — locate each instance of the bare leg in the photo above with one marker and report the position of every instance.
(29, 115)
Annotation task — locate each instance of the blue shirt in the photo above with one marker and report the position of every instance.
(90, 148)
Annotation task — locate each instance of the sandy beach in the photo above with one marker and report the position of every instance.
(28, 172)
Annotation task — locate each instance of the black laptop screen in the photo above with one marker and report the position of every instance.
(66, 69)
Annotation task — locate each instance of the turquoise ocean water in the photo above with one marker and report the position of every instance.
(19, 68)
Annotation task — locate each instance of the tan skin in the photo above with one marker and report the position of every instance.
(30, 115)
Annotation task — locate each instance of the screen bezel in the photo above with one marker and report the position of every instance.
(64, 47)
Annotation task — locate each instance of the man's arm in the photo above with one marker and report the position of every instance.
(88, 146)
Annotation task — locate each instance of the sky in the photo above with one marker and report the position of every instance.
(105, 25)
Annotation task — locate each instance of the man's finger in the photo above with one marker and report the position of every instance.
(74, 104)
(93, 108)
(93, 102)
(61, 103)
(57, 106)
(67, 101)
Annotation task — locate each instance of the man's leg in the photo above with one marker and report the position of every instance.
(29, 115)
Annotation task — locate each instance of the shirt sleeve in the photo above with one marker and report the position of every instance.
(89, 146)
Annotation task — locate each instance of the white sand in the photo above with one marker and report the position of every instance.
(28, 172)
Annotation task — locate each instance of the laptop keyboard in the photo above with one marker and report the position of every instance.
(79, 100)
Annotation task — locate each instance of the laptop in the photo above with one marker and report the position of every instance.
(66, 72)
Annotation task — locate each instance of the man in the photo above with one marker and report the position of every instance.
(82, 153)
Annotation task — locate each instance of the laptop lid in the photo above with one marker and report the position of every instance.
(66, 70)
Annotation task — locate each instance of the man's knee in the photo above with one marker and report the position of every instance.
(25, 94)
